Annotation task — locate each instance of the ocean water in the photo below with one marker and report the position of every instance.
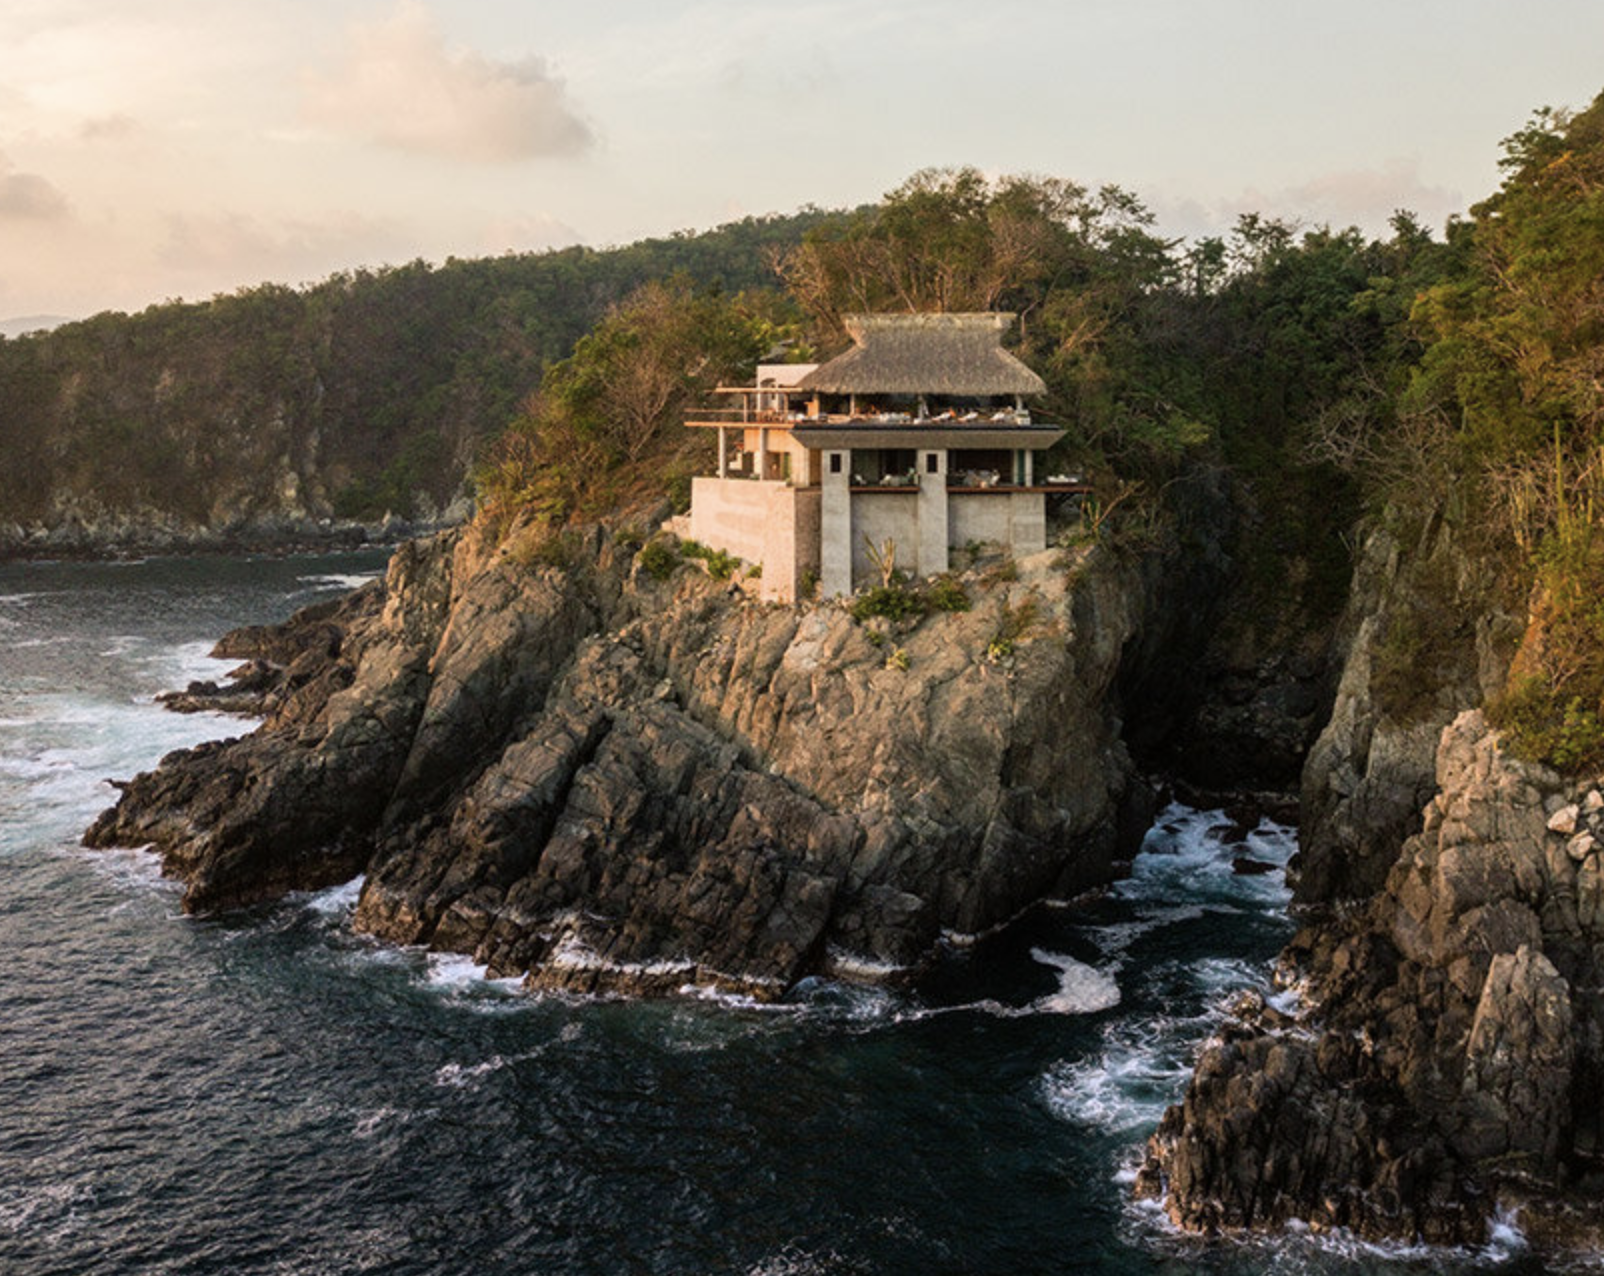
(268, 1092)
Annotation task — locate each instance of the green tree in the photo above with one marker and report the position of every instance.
(611, 413)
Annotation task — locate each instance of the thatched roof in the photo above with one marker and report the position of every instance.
(956, 355)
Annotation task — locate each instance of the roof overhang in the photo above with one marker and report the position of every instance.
(1034, 438)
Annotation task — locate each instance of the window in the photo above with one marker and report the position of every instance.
(932, 463)
(835, 462)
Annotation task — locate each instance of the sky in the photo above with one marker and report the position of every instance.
(153, 149)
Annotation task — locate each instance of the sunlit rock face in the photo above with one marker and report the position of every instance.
(603, 781)
(1453, 1041)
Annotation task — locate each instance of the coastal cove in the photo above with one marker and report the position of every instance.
(267, 1090)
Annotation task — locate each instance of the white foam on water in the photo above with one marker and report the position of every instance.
(336, 901)
(846, 1002)
(1296, 1249)
(190, 662)
(1186, 857)
(454, 971)
(339, 580)
(791, 1261)
(729, 1000)
(1082, 989)
(54, 766)
(460, 1076)
(1505, 1240)
(469, 984)
(376, 1120)
(139, 867)
(1123, 1089)
(1291, 1001)
(1223, 976)
(572, 953)
(868, 969)
(1117, 937)
(54, 1205)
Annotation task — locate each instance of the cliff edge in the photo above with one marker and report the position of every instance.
(1440, 1061)
(600, 780)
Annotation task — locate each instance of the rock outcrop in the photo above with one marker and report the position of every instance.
(1453, 1049)
(1425, 637)
(608, 782)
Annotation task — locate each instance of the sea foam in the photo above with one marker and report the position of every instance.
(1082, 989)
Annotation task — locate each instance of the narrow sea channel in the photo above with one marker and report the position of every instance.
(268, 1092)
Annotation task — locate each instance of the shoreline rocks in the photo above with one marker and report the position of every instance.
(126, 539)
(607, 783)
(1449, 1062)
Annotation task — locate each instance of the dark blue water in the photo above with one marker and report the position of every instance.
(268, 1092)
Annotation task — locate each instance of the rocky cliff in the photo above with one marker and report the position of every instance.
(1446, 1052)
(600, 780)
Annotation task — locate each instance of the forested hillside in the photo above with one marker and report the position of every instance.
(1418, 380)
(348, 398)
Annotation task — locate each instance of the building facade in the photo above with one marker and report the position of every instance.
(914, 442)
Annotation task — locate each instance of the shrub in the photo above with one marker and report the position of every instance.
(658, 559)
(898, 659)
(893, 602)
(946, 594)
(1541, 726)
(558, 550)
(720, 565)
(1554, 714)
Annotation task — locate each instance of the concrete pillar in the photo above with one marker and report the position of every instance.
(762, 453)
(723, 454)
(932, 498)
(1029, 459)
(835, 525)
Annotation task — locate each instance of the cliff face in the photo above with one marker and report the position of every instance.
(1446, 1057)
(1426, 635)
(602, 781)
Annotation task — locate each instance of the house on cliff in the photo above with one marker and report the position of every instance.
(918, 436)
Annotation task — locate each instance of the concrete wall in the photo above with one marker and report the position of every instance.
(1015, 519)
(824, 530)
(883, 516)
(769, 523)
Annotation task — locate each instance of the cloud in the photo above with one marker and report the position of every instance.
(1362, 197)
(108, 128)
(526, 233)
(399, 84)
(1366, 198)
(231, 245)
(30, 197)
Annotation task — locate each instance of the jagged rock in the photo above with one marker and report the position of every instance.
(1564, 820)
(1518, 1064)
(1455, 1027)
(607, 783)
(1371, 772)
